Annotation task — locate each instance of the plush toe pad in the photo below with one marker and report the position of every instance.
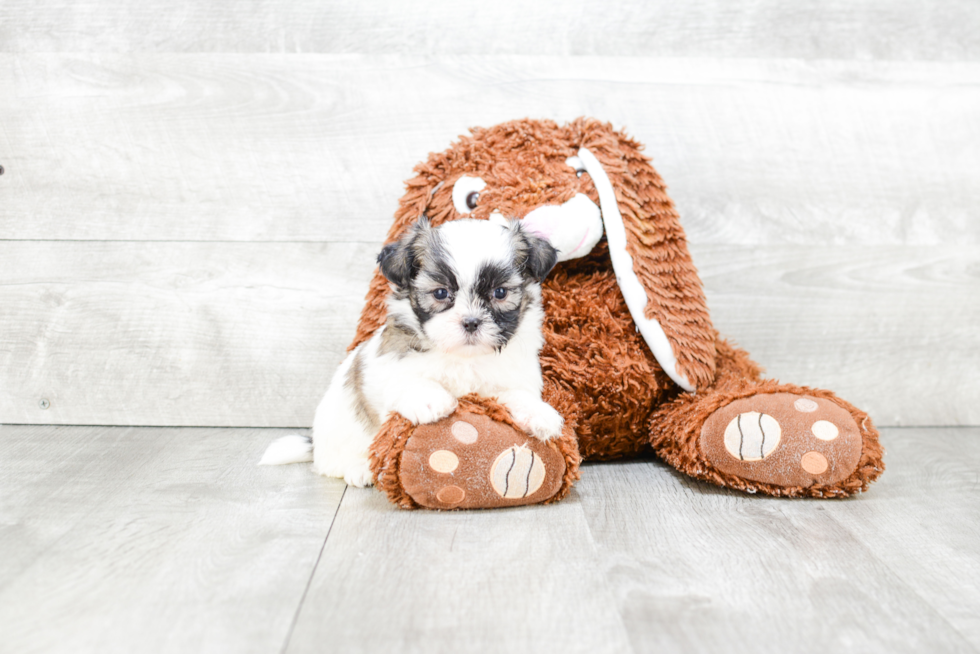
(783, 439)
(469, 461)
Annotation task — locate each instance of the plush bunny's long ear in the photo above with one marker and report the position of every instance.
(650, 257)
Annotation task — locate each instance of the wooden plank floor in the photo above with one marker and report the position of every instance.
(117, 539)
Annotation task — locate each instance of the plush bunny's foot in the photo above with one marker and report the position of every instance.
(777, 439)
(471, 460)
(783, 439)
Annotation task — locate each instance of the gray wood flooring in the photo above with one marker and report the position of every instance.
(173, 540)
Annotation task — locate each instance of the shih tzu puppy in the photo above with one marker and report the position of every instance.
(464, 316)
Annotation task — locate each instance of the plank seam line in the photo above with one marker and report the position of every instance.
(184, 240)
(309, 582)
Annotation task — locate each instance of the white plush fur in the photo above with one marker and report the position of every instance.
(423, 385)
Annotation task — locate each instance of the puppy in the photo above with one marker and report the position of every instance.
(464, 316)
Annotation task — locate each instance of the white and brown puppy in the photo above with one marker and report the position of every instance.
(464, 316)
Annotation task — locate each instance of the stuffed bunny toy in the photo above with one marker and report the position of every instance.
(630, 357)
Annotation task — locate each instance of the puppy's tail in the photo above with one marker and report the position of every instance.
(294, 448)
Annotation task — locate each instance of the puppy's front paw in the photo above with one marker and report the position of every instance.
(425, 404)
(359, 474)
(353, 469)
(539, 419)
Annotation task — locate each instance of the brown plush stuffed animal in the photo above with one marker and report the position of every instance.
(631, 359)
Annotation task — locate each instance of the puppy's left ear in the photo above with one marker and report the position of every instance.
(536, 254)
(541, 258)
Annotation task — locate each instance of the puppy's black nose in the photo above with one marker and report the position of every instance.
(471, 324)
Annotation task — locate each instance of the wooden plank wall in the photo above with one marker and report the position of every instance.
(194, 192)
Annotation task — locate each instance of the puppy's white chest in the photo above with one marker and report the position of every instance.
(485, 374)
(480, 374)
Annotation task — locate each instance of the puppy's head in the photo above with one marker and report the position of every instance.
(467, 286)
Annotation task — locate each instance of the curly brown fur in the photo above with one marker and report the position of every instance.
(386, 451)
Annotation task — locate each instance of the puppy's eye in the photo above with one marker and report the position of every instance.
(466, 193)
(577, 164)
(440, 294)
(500, 293)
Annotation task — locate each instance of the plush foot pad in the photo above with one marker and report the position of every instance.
(783, 439)
(469, 461)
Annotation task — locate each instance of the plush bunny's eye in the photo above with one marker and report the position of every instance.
(577, 164)
(466, 193)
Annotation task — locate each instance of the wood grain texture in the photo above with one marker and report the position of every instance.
(315, 147)
(153, 540)
(233, 334)
(923, 520)
(695, 568)
(228, 334)
(513, 580)
(838, 29)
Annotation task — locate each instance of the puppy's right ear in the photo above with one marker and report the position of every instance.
(397, 260)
